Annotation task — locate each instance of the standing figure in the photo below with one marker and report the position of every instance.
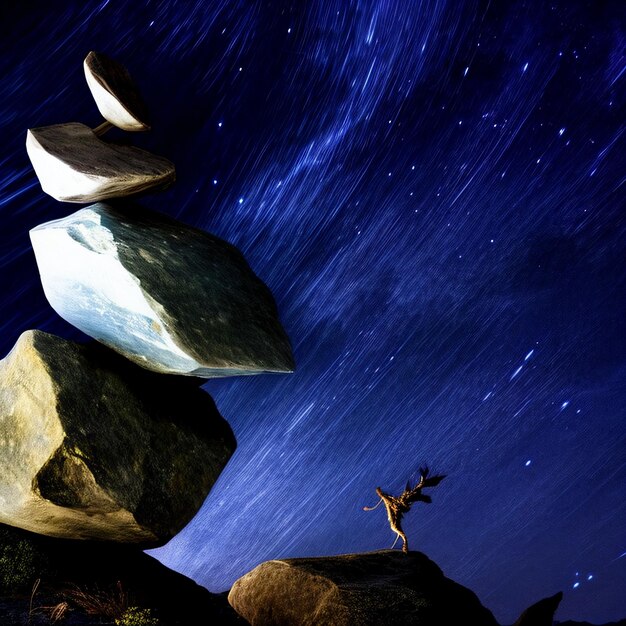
(397, 507)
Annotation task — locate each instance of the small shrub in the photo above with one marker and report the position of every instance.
(134, 616)
(19, 563)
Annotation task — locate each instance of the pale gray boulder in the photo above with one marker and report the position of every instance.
(115, 93)
(167, 296)
(74, 165)
(93, 447)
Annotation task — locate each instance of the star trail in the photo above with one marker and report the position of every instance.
(434, 193)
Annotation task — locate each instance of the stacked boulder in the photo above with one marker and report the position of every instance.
(97, 443)
(74, 165)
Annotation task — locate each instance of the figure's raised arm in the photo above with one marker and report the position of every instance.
(371, 508)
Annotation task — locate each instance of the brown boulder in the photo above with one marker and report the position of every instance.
(372, 588)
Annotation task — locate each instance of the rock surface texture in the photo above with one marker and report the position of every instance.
(169, 297)
(115, 93)
(374, 588)
(73, 165)
(94, 447)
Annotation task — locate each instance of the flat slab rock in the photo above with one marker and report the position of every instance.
(94, 447)
(74, 165)
(169, 297)
(115, 93)
(372, 588)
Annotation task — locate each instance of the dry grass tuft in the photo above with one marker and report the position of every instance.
(55, 612)
(109, 603)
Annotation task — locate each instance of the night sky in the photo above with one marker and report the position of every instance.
(434, 193)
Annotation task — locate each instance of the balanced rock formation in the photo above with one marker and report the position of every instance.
(541, 613)
(74, 165)
(373, 588)
(169, 297)
(115, 93)
(94, 447)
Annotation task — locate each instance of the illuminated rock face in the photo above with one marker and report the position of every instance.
(93, 447)
(74, 165)
(386, 587)
(115, 93)
(169, 297)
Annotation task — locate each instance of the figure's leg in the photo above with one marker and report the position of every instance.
(397, 528)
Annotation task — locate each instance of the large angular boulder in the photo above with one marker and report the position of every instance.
(74, 165)
(169, 297)
(373, 588)
(94, 447)
(115, 93)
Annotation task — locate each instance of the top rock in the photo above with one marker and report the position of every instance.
(115, 93)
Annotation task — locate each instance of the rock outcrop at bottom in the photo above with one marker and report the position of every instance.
(372, 588)
(541, 613)
(116, 575)
(94, 447)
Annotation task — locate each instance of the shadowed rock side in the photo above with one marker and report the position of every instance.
(73, 165)
(540, 613)
(169, 297)
(373, 588)
(115, 93)
(97, 448)
(65, 566)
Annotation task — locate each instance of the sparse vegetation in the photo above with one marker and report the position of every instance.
(55, 612)
(111, 604)
(19, 563)
(135, 616)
